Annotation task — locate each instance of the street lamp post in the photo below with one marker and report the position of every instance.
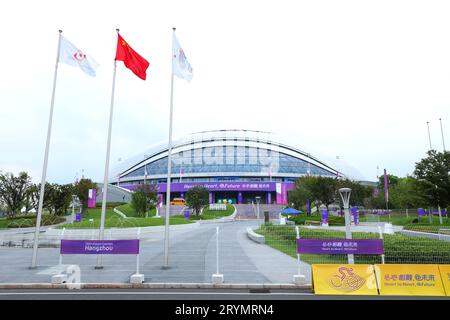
(439, 207)
(345, 195)
(258, 200)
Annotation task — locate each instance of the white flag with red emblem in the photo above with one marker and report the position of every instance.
(180, 66)
(73, 56)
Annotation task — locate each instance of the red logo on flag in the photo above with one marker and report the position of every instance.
(79, 56)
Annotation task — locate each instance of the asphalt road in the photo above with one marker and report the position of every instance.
(185, 294)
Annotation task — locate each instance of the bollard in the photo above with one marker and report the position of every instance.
(217, 278)
(299, 278)
(381, 237)
(137, 278)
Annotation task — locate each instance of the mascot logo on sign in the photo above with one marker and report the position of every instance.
(346, 280)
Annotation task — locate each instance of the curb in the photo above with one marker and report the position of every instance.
(157, 286)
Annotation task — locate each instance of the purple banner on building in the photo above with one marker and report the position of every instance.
(219, 186)
(340, 246)
(99, 246)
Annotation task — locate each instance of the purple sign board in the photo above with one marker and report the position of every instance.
(420, 212)
(99, 246)
(355, 217)
(187, 214)
(325, 216)
(78, 217)
(340, 246)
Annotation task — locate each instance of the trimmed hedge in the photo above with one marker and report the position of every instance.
(398, 248)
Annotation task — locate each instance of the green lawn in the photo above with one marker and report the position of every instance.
(213, 214)
(113, 220)
(402, 220)
(398, 248)
(29, 221)
(300, 219)
(127, 210)
(395, 219)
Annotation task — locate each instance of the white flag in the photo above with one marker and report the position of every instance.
(180, 65)
(73, 56)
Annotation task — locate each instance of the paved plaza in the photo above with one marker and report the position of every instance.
(192, 259)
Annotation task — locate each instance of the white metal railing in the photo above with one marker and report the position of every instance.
(217, 206)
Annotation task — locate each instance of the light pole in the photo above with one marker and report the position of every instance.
(439, 207)
(258, 200)
(442, 134)
(437, 197)
(429, 137)
(73, 207)
(345, 195)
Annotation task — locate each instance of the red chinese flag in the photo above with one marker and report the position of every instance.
(133, 60)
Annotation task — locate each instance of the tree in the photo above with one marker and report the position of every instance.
(197, 197)
(406, 194)
(13, 191)
(31, 198)
(144, 198)
(360, 195)
(81, 189)
(433, 179)
(319, 190)
(60, 198)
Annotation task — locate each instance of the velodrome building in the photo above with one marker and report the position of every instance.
(234, 165)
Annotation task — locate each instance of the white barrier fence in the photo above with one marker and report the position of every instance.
(217, 206)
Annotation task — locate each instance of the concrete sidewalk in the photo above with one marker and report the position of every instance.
(192, 259)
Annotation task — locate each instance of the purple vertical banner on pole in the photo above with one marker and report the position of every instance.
(308, 207)
(239, 198)
(78, 217)
(355, 217)
(187, 214)
(325, 217)
(211, 198)
(386, 193)
(92, 199)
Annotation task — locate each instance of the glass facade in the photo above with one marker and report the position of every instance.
(231, 160)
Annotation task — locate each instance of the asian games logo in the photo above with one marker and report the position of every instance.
(183, 61)
(346, 280)
(79, 56)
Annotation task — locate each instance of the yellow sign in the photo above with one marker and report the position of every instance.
(445, 276)
(344, 279)
(409, 279)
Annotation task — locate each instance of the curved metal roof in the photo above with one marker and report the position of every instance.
(239, 136)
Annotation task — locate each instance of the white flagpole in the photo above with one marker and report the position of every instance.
(105, 179)
(442, 133)
(44, 169)
(169, 169)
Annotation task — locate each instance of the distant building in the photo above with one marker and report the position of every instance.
(234, 165)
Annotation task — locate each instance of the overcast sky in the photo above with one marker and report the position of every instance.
(354, 79)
